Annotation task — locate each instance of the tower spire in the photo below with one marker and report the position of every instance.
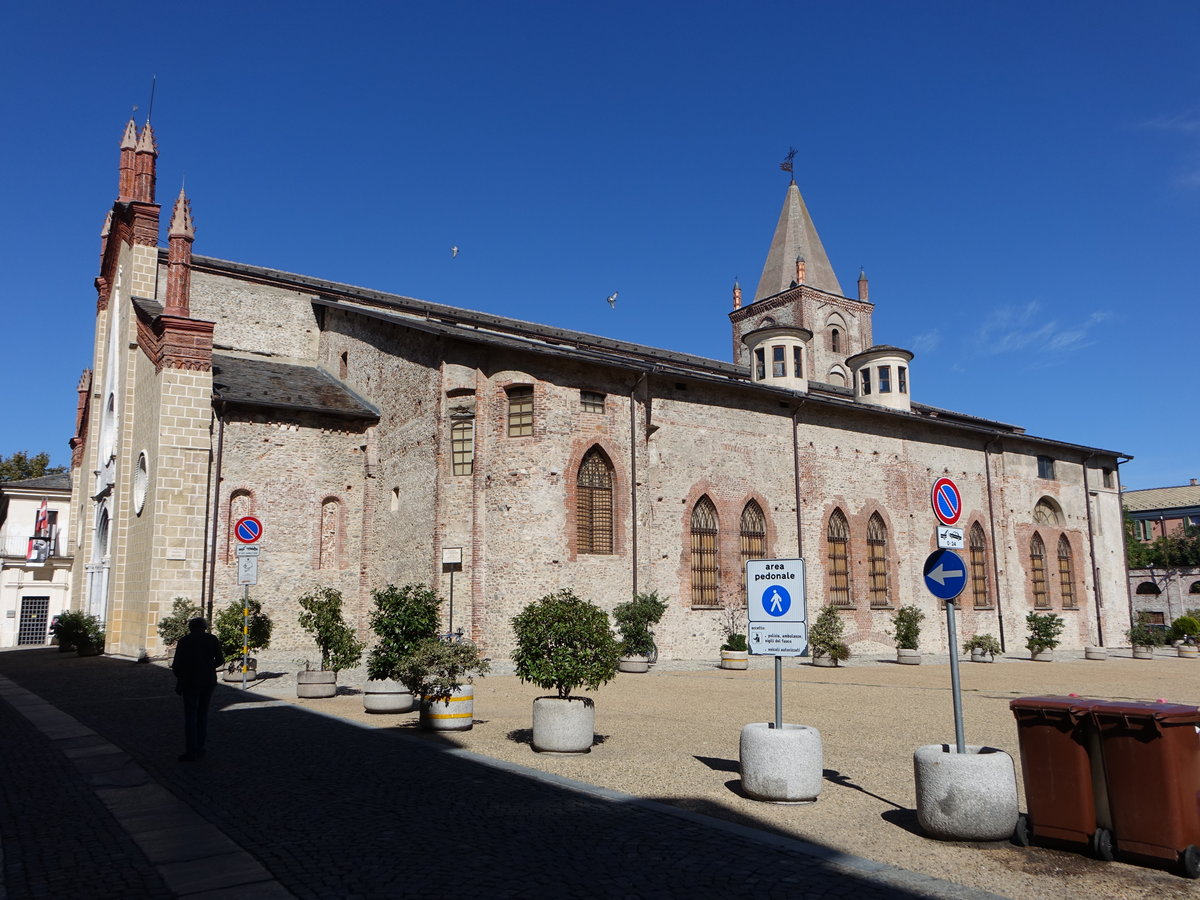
(796, 238)
(144, 163)
(128, 146)
(179, 259)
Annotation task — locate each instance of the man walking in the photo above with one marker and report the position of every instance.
(197, 657)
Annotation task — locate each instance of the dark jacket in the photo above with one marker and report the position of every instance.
(197, 657)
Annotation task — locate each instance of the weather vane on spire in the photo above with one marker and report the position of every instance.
(786, 165)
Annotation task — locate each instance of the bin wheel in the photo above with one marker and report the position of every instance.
(1021, 834)
(1101, 844)
(1189, 861)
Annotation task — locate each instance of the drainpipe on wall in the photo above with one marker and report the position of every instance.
(1087, 501)
(987, 468)
(213, 512)
(633, 506)
(1124, 540)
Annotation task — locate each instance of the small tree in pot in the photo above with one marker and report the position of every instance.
(340, 649)
(825, 638)
(439, 672)
(907, 624)
(734, 652)
(634, 619)
(564, 643)
(174, 625)
(982, 647)
(403, 618)
(228, 627)
(1044, 630)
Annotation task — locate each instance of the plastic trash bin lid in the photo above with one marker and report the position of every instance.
(1177, 713)
(1061, 704)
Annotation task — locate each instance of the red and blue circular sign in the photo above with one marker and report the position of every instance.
(248, 529)
(947, 501)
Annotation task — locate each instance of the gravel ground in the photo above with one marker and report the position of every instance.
(672, 735)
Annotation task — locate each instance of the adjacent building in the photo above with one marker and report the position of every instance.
(1164, 593)
(376, 436)
(36, 560)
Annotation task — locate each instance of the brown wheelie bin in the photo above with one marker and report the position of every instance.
(1063, 775)
(1152, 769)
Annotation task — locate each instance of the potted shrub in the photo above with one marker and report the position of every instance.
(1144, 637)
(69, 628)
(340, 649)
(228, 628)
(1184, 631)
(440, 673)
(982, 647)
(90, 640)
(1044, 630)
(907, 624)
(634, 618)
(564, 643)
(734, 652)
(174, 625)
(825, 638)
(403, 617)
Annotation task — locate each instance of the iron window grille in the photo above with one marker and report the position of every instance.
(705, 572)
(877, 560)
(594, 505)
(838, 538)
(1037, 565)
(979, 584)
(1066, 573)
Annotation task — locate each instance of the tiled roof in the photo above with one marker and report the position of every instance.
(1181, 497)
(265, 382)
(59, 482)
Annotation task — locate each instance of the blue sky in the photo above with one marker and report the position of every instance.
(1021, 180)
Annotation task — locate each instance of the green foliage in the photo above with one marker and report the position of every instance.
(1044, 631)
(825, 636)
(436, 669)
(228, 628)
(76, 629)
(174, 625)
(403, 617)
(734, 642)
(634, 618)
(989, 644)
(907, 622)
(1185, 628)
(21, 465)
(564, 642)
(322, 618)
(1178, 550)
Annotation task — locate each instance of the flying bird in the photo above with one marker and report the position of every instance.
(454, 251)
(612, 299)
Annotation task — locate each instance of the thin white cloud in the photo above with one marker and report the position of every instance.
(926, 342)
(1187, 122)
(1025, 329)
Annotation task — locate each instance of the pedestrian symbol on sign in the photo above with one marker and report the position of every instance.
(776, 600)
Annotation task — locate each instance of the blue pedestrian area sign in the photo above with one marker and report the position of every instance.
(776, 607)
(945, 574)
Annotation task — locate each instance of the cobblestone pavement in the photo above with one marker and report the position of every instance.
(289, 802)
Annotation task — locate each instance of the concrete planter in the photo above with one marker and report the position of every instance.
(1143, 652)
(968, 796)
(1042, 656)
(1095, 653)
(233, 672)
(385, 695)
(633, 664)
(316, 685)
(456, 713)
(735, 659)
(981, 656)
(908, 657)
(563, 724)
(1188, 651)
(824, 661)
(781, 765)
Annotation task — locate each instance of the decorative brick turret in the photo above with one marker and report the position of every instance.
(737, 295)
(144, 163)
(801, 266)
(128, 146)
(179, 258)
(78, 442)
(862, 286)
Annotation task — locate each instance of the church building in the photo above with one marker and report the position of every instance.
(378, 437)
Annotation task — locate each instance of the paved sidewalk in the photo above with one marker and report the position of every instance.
(294, 803)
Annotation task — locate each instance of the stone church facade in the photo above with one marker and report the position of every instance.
(371, 432)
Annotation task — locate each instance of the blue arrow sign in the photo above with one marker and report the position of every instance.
(945, 574)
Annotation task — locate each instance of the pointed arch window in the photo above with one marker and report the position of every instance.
(1046, 512)
(1066, 573)
(837, 537)
(594, 504)
(705, 574)
(753, 534)
(331, 533)
(1037, 568)
(877, 560)
(835, 340)
(979, 584)
(241, 504)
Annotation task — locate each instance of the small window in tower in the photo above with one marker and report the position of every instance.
(591, 401)
(1046, 467)
(902, 379)
(1108, 479)
(885, 379)
(835, 340)
(866, 381)
(760, 364)
(520, 411)
(797, 362)
(778, 362)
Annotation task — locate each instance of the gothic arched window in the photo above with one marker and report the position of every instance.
(753, 533)
(594, 504)
(1037, 568)
(1066, 573)
(705, 573)
(837, 536)
(331, 533)
(877, 560)
(979, 583)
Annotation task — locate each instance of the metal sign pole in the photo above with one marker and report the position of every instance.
(954, 685)
(245, 632)
(450, 629)
(779, 692)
